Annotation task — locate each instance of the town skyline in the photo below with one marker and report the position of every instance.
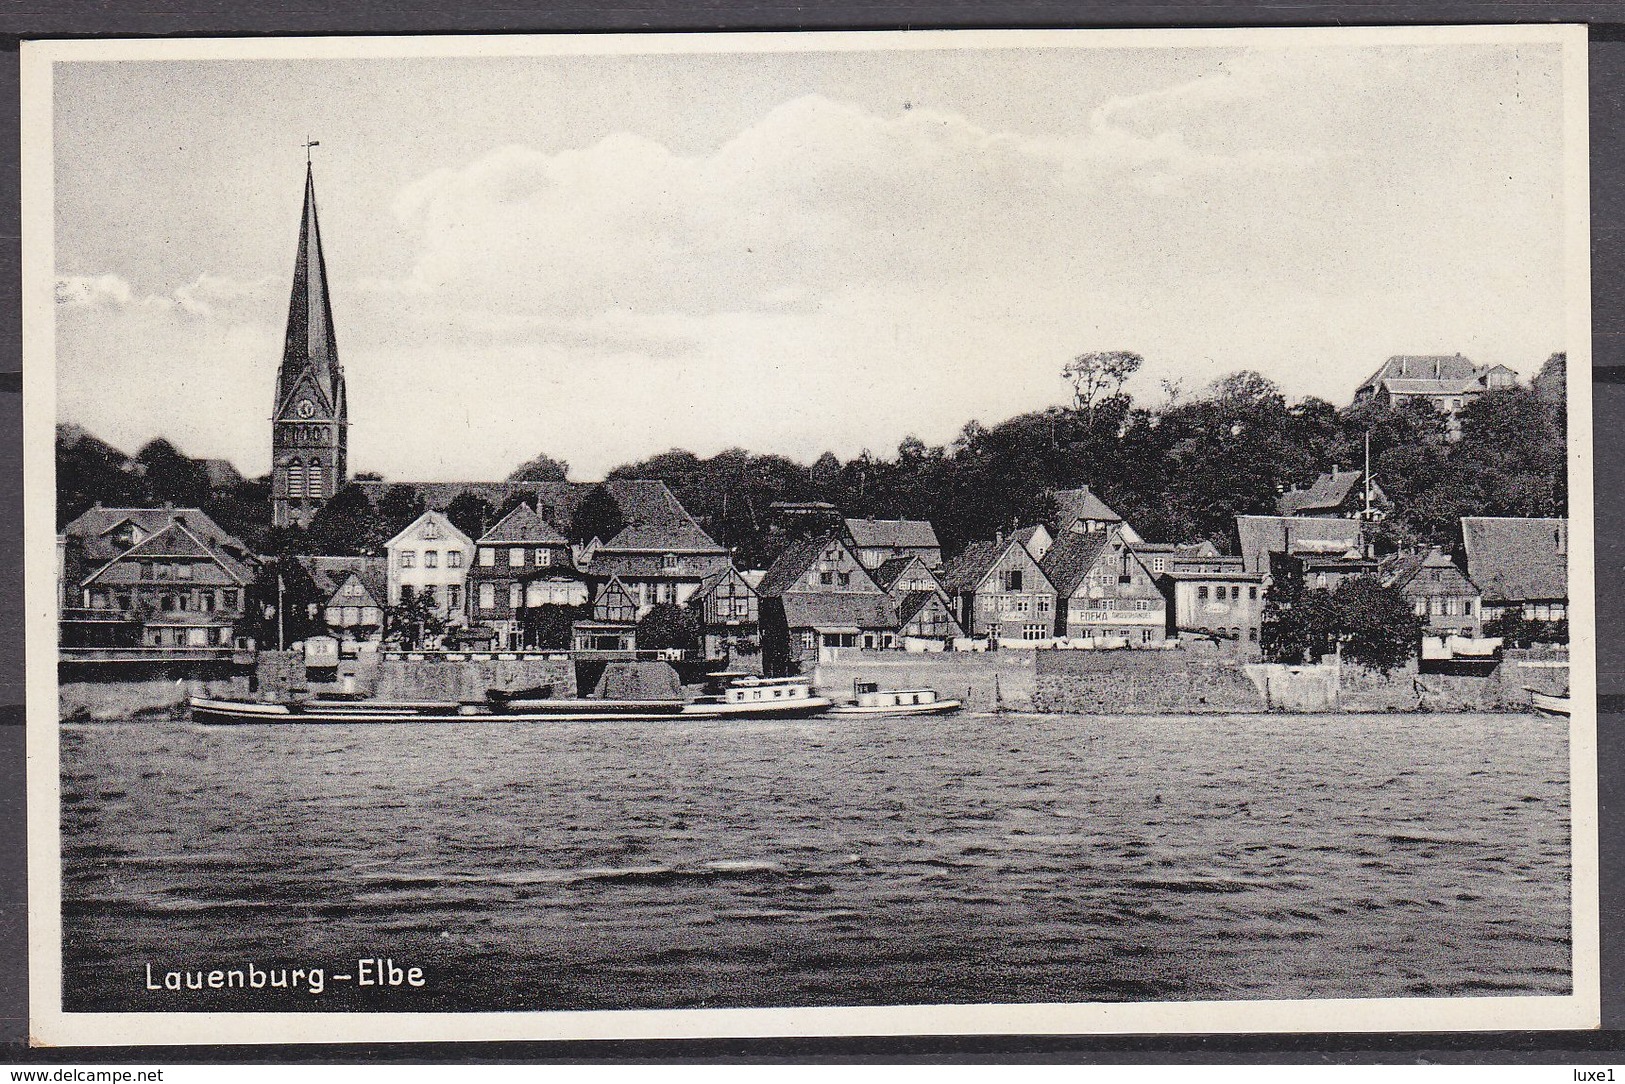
(513, 274)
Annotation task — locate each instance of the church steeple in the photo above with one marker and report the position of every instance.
(308, 439)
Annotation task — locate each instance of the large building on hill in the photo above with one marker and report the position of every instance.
(1447, 382)
(310, 414)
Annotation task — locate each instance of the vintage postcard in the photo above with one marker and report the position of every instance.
(809, 534)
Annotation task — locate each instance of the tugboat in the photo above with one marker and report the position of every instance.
(868, 698)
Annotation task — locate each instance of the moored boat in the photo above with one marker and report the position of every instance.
(1548, 703)
(871, 700)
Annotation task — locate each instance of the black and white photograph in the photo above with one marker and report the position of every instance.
(961, 532)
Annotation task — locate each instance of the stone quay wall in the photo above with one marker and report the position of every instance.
(418, 676)
(1182, 682)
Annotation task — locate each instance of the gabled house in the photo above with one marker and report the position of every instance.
(998, 591)
(727, 609)
(876, 541)
(1338, 493)
(523, 564)
(156, 581)
(1081, 511)
(349, 594)
(818, 597)
(1520, 564)
(614, 622)
(1104, 591)
(431, 557)
(1437, 590)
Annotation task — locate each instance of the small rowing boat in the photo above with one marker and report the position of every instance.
(869, 699)
(1548, 703)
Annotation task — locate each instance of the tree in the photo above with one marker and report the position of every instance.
(413, 619)
(1099, 375)
(544, 468)
(348, 524)
(550, 627)
(1376, 623)
(171, 476)
(668, 625)
(471, 514)
(597, 516)
(397, 509)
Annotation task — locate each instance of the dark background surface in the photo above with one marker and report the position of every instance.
(79, 18)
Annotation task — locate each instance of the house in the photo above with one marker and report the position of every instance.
(1081, 511)
(1338, 493)
(1037, 539)
(1000, 592)
(161, 582)
(1520, 565)
(431, 557)
(1157, 556)
(728, 611)
(1214, 595)
(348, 594)
(1104, 590)
(614, 623)
(1446, 382)
(903, 575)
(659, 553)
(818, 596)
(926, 615)
(1437, 590)
(877, 541)
(522, 564)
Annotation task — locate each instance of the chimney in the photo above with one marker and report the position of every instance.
(1337, 468)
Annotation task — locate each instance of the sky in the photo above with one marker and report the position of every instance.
(604, 257)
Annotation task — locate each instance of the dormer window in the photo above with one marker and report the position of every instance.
(431, 529)
(668, 563)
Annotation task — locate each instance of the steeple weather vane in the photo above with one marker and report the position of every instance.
(309, 143)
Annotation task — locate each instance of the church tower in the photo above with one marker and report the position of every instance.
(309, 459)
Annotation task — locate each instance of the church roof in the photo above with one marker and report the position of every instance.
(310, 345)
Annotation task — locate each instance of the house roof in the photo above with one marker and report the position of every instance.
(1328, 492)
(176, 539)
(910, 605)
(1071, 558)
(892, 533)
(1432, 387)
(1514, 559)
(683, 537)
(523, 525)
(967, 571)
(1072, 505)
(1025, 535)
(839, 610)
(330, 574)
(1400, 569)
(437, 518)
(888, 572)
(792, 562)
(1259, 536)
(1452, 369)
(712, 581)
(92, 530)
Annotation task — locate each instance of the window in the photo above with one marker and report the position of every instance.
(668, 563)
(1158, 564)
(488, 557)
(1436, 606)
(1235, 593)
(1033, 632)
(1421, 607)
(1145, 636)
(488, 595)
(431, 529)
(844, 579)
(544, 557)
(313, 480)
(1019, 605)
(1201, 591)
(516, 557)
(826, 578)
(1433, 575)
(161, 570)
(454, 558)
(296, 479)
(1252, 593)
(352, 589)
(409, 558)
(1012, 579)
(431, 558)
(515, 596)
(454, 597)
(1142, 604)
(1043, 605)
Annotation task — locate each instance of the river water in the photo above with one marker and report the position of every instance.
(974, 858)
